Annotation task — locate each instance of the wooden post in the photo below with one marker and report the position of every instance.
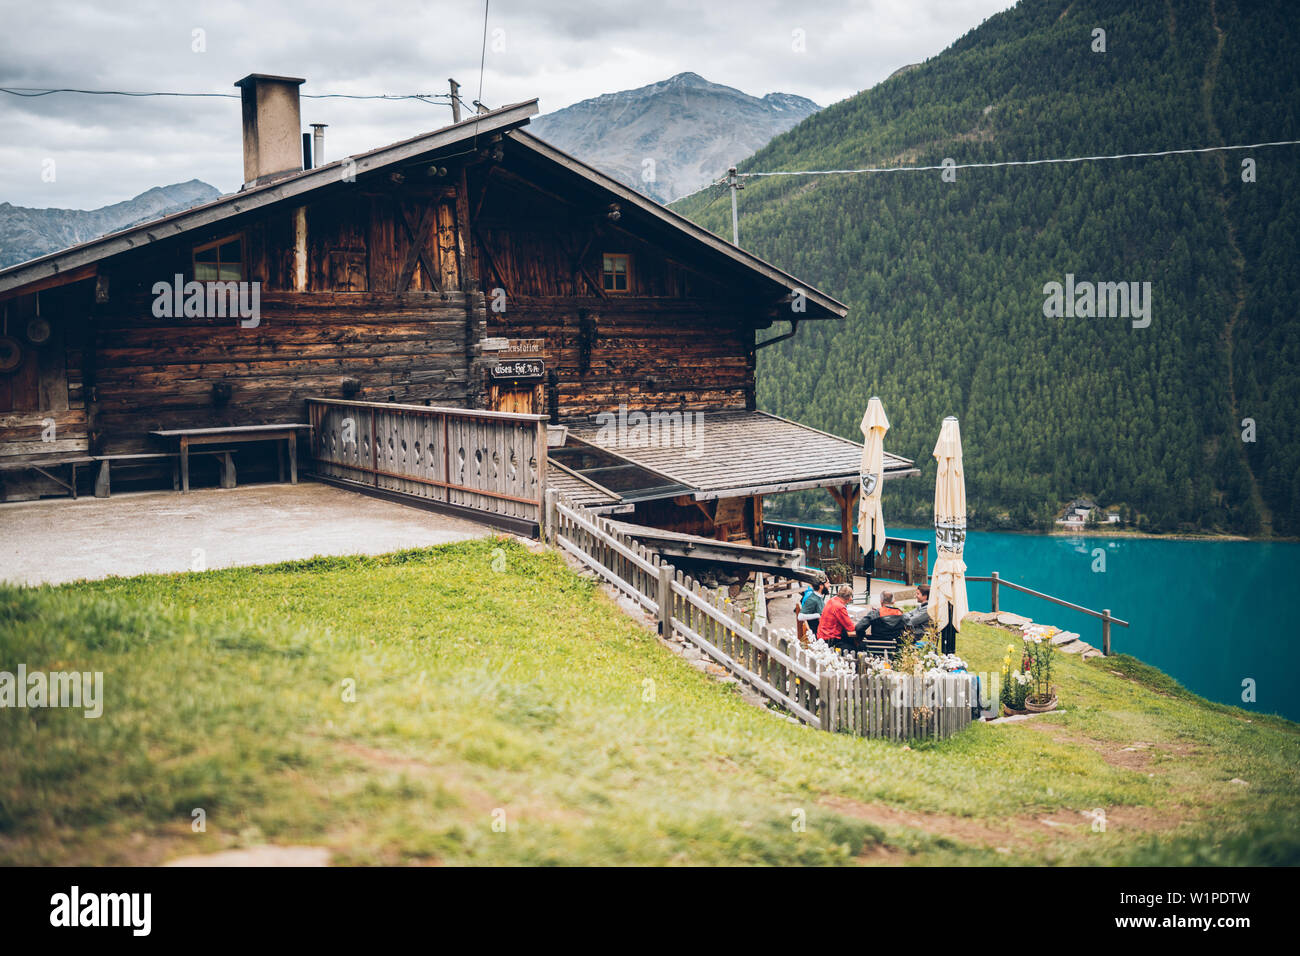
(994, 584)
(843, 496)
(826, 710)
(185, 463)
(666, 601)
(102, 483)
(548, 517)
(541, 453)
(1105, 631)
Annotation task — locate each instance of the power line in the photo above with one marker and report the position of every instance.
(482, 56)
(29, 91)
(724, 181)
(1011, 162)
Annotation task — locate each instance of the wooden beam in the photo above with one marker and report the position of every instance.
(464, 251)
(844, 497)
(52, 282)
(418, 253)
(491, 260)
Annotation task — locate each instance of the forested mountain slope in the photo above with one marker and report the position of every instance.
(946, 279)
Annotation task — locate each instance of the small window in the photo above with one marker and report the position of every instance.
(615, 272)
(220, 261)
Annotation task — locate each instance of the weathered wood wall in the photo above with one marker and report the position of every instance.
(676, 339)
(392, 282)
(159, 373)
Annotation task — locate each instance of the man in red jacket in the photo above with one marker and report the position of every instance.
(837, 627)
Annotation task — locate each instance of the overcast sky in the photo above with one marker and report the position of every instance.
(107, 149)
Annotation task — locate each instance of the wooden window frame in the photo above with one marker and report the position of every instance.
(627, 272)
(218, 243)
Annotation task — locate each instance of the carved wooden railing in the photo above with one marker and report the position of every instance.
(489, 463)
(902, 559)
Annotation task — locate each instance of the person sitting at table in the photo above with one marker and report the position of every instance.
(808, 613)
(886, 624)
(917, 618)
(836, 627)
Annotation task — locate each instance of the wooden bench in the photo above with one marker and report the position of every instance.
(103, 481)
(40, 464)
(230, 434)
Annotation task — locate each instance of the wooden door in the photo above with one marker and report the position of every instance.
(517, 400)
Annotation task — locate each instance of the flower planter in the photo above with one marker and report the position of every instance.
(1036, 706)
(1012, 712)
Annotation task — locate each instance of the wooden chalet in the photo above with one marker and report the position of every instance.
(474, 267)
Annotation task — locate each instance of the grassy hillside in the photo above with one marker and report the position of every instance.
(946, 280)
(491, 680)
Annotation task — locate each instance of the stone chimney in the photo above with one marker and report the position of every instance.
(272, 127)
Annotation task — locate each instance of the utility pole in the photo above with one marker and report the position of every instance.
(455, 100)
(734, 182)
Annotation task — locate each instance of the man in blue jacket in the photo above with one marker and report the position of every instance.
(809, 612)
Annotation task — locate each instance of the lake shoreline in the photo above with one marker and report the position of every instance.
(1102, 531)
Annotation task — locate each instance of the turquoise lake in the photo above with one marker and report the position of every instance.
(1205, 612)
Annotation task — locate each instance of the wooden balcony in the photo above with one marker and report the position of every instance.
(902, 559)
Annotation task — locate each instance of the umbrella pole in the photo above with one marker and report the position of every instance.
(868, 571)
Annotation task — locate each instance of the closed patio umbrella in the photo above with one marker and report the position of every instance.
(948, 583)
(871, 520)
(760, 600)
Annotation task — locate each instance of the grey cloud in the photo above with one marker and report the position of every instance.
(109, 148)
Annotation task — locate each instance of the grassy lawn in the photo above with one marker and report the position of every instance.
(499, 687)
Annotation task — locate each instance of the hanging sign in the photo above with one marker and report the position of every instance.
(518, 370)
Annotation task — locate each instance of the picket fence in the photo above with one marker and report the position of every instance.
(890, 705)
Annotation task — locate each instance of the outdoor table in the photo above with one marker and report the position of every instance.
(284, 431)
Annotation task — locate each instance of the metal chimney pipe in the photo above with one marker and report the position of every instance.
(318, 143)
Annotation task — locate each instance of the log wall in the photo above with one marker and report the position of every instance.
(390, 284)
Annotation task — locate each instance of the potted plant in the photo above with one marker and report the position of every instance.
(837, 572)
(1039, 650)
(1016, 682)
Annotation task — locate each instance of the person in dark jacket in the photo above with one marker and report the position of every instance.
(886, 624)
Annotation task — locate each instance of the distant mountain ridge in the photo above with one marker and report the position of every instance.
(27, 233)
(683, 131)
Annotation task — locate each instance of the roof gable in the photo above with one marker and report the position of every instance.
(80, 261)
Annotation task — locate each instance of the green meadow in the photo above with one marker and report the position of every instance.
(445, 706)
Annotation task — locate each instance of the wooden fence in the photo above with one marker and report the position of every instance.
(889, 705)
(1107, 619)
(899, 706)
(490, 464)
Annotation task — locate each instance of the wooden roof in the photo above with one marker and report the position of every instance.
(79, 261)
(746, 453)
(582, 491)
